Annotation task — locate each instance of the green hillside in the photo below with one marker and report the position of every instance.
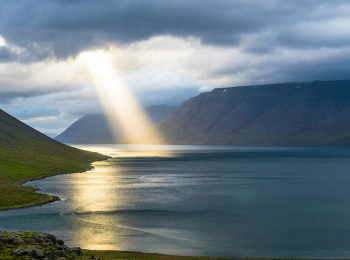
(26, 154)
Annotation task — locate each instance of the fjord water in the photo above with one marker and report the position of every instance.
(286, 202)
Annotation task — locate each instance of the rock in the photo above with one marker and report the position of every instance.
(61, 247)
(34, 245)
(59, 253)
(13, 236)
(18, 241)
(37, 253)
(77, 251)
(2, 238)
(18, 252)
(39, 238)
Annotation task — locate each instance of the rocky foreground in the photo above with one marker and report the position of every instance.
(36, 245)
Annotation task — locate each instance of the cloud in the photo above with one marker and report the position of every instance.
(66, 28)
(166, 51)
(163, 69)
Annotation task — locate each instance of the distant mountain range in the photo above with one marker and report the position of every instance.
(316, 113)
(96, 128)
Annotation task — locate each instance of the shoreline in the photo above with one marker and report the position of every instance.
(44, 196)
(135, 255)
(40, 245)
(54, 199)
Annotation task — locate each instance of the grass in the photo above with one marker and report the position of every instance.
(123, 255)
(17, 167)
(26, 154)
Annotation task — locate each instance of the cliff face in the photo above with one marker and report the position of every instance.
(315, 113)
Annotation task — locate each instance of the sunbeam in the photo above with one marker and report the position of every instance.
(119, 103)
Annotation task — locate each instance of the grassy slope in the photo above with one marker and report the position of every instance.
(121, 255)
(109, 255)
(26, 154)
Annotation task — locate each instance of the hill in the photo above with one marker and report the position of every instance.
(27, 154)
(88, 129)
(315, 113)
(95, 128)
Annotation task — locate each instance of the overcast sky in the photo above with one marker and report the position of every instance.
(165, 51)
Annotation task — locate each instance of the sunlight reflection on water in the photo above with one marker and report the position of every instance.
(201, 200)
(126, 150)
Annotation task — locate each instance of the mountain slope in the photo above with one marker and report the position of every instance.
(96, 129)
(277, 114)
(27, 154)
(88, 129)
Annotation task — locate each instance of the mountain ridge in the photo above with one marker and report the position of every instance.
(271, 114)
(95, 128)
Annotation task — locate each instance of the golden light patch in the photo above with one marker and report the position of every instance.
(119, 103)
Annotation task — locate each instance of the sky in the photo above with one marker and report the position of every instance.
(164, 51)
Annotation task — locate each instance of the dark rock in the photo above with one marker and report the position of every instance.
(77, 251)
(18, 252)
(37, 253)
(13, 236)
(2, 238)
(31, 245)
(18, 241)
(59, 253)
(61, 247)
(60, 242)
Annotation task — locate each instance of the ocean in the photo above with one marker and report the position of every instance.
(287, 202)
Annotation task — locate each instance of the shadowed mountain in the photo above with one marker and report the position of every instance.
(316, 113)
(27, 154)
(96, 128)
(88, 129)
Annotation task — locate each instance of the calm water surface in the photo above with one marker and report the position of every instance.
(201, 200)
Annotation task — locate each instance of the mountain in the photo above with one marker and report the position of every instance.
(96, 129)
(315, 113)
(51, 135)
(158, 113)
(88, 129)
(27, 154)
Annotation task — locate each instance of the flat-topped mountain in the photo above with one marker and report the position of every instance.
(27, 154)
(316, 113)
(96, 129)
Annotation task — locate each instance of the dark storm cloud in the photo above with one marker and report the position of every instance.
(6, 54)
(65, 28)
(7, 97)
(218, 43)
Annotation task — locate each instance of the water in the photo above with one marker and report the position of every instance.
(202, 200)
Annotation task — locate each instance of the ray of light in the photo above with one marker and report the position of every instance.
(119, 103)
